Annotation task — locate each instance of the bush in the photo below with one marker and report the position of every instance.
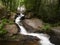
(46, 27)
(3, 23)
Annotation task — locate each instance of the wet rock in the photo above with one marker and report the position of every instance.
(56, 31)
(21, 9)
(33, 24)
(55, 40)
(11, 28)
(29, 40)
(55, 35)
(21, 40)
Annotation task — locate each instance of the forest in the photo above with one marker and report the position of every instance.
(23, 21)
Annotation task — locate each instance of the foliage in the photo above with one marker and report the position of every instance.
(2, 31)
(29, 4)
(3, 22)
(55, 24)
(46, 27)
(48, 10)
(12, 4)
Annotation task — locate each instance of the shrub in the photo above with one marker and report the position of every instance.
(3, 22)
(46, 27)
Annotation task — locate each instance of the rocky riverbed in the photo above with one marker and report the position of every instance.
(31, 25)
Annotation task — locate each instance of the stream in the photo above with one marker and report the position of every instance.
(44, 40)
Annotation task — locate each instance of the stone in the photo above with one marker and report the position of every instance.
(55, 35)
(29, 40)
(12, 16)
(11, 28)
(22, 40)
(29, 15)
(33, 24)
(56, 30)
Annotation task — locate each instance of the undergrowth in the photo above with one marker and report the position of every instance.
(2, 24)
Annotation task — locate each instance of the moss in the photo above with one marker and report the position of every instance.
(2, 32)
(46, 27)
(3, 23)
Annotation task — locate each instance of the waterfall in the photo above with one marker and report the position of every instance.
(44, 40)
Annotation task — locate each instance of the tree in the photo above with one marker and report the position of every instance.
(11, 4)
(45, 9)
(48, 10)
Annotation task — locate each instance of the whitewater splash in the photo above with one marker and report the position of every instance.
(44, 40)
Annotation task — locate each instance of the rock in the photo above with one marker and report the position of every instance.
(55, 36)
(56, 31)
(11, 28)
(21, 40)
(29, 40)
(28, 15)
(12, 16)
(33, 24)
(55, 40)
(4, 13)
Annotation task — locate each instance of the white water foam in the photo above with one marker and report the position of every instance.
(44, 40)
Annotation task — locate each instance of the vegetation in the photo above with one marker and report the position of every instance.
(3, 23)
(46, 27)
(47, 10)
(2, 30)
(11, 4)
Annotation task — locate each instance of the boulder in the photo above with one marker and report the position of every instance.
(29, 15)
(12, 16)
(29, 40)
(11, 28)
(21, 40)
(33, 24)
(55, 35)
(56, 30)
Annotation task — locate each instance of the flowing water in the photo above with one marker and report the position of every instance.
(44, 40)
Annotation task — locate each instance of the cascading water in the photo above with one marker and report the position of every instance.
(44, 40)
